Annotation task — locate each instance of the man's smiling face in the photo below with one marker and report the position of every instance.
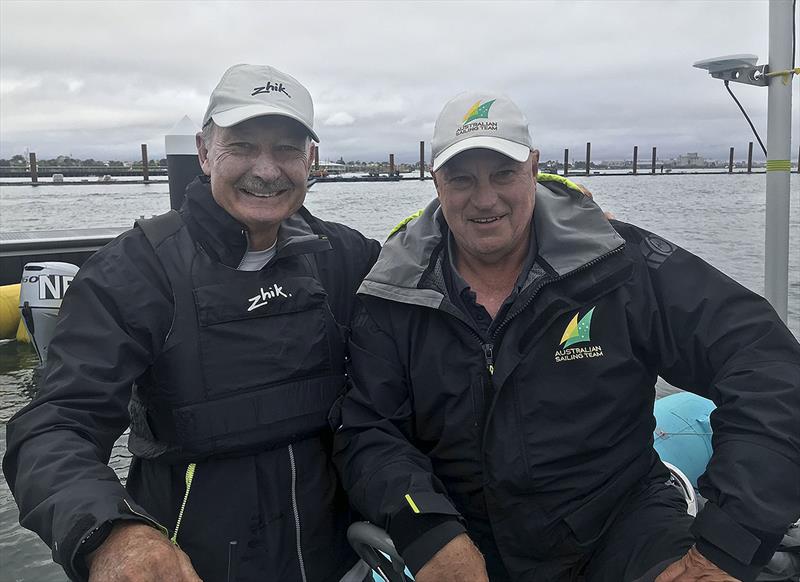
(487, 200)
(258, 170)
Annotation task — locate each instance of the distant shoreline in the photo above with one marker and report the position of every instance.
(402, 179)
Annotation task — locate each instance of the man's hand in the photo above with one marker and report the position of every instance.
(693, 567)
(135, 552)
(458, 561)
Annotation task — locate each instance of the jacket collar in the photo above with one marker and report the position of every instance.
(225, 238)
(571, 232)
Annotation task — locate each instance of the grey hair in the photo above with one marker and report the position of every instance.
(207, 132)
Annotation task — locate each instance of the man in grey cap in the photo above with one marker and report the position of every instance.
(218, 334)
(504, 357)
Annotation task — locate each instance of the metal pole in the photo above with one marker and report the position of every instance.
(183, 164)
(145, 169)
(750, 158)
(635, 159)
(422, 160)
(779, 122)
(653, 162)
(34, 172)
(730, 162)
(566, 161)
(588, 155)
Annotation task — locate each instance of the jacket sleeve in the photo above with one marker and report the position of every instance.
(388, 479)
(112, 321)
(715, 338)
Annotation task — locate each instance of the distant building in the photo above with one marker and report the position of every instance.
(332, 167)
(690, 160)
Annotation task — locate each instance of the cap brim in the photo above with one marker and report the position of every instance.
(240, 114)
(515, 151)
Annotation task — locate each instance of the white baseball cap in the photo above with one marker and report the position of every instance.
(480, 120)
(248, 91)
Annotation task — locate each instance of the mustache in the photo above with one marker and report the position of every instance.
(260, 186)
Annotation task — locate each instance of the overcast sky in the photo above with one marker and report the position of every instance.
(96, 79)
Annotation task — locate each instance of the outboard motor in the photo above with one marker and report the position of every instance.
(43, 288)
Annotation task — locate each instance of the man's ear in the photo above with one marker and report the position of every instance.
(202, 153)
(535, 162)
(312, 147)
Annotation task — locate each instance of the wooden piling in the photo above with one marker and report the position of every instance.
(391, 164)
(422, 160)
(566, 161)
(34, 171)
(316, 156)
(750, 158)
(588, 155)
(730, 162)
(653, 162)
(145, 168)
(798, 160)
(635, 159)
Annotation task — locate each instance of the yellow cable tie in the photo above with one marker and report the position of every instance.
(786, 74)
(779, 166)
(413, 505)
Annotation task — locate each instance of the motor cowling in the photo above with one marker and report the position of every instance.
(43, 288)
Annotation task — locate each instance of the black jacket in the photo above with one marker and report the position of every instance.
(277, 494)
(546, 426)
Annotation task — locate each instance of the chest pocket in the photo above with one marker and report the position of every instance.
(265, 332)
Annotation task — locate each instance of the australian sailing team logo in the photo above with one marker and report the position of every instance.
(578, 331)
(476, 112)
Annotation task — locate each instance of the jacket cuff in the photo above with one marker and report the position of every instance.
(424, 525)
(426, 546)
(68, 554)
(741, 551)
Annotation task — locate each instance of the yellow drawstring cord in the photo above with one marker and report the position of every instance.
(189, 476)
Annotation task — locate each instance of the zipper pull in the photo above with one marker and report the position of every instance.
(488, 354)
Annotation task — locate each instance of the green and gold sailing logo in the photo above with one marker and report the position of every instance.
(478, 111)
(578, 331)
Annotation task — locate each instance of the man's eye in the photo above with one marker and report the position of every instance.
(504, 174)
(287, 148)
(460, 180)
(240, 145)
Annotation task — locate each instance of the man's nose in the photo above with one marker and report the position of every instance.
(266, 166)
(484, 197)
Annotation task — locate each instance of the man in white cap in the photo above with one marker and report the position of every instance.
(504, 357)
(217, 332)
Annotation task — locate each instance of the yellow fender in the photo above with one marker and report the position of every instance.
(11, 326)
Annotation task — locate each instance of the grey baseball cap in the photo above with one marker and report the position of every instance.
(480, 120)
(247, 91)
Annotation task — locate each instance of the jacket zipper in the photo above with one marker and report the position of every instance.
(296, 512)
(149, 520)
(488, 354)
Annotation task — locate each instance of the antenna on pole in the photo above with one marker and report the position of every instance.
(777, 76)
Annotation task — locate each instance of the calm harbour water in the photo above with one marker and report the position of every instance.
(718, 217)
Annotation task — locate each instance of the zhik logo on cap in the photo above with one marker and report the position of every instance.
(269, 88)
(578, 331)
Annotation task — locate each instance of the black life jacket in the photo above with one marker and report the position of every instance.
(252, 361)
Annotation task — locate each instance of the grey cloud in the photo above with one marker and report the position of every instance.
(104, 77)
